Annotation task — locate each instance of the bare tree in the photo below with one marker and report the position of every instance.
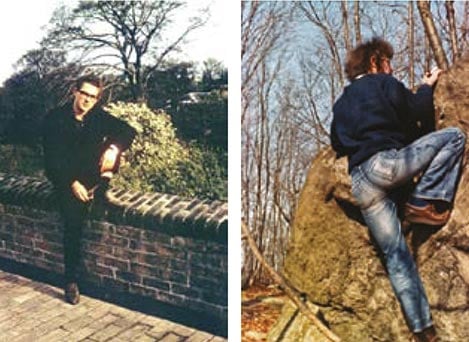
(465, 27)
(432, 34)
(258, 39)
(411, 45)
(121, 35)
(452, 29)
(279, 134)
(319, 15)
(263, 25)
(356, 21)
(348, 43)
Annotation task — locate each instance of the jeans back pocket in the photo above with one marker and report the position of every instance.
(381, 168)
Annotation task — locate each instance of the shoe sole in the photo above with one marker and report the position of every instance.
(422, 220)
(72, 294)
(412, 217)
(73, 302)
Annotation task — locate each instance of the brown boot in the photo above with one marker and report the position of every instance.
(426, 335)
(425, 215)
(72, 294)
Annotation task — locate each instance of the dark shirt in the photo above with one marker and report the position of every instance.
(377, 112)
(73, 149)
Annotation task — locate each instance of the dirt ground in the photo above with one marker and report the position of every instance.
(261, 307)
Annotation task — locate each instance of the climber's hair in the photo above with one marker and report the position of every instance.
(359, 59)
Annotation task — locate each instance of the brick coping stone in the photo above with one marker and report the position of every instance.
(164, 213)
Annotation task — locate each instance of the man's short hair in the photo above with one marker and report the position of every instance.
(358, 60)
(91, 79)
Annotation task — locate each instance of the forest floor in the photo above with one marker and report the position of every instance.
(261, 307)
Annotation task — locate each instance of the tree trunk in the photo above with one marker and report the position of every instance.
(348, 44)
(432, 34)
(465, 29)
(356, 20)
(452, 29)
(428, 54)
(411, 45)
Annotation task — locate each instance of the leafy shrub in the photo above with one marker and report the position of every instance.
(153, 161)
(159, 161)
(205, 173)
(20, 159)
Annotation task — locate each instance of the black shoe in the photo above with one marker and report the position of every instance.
(72, 294)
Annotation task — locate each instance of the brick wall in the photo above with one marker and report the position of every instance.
(155, 245)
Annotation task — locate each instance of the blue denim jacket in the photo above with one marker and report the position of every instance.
(377, 112)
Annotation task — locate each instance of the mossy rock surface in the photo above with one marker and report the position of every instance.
(332, 260)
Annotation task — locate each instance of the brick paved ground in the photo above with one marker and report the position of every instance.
(32, 311)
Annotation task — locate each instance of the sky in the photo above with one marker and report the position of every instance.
(22, 27)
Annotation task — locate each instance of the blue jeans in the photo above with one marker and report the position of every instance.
(438, 155)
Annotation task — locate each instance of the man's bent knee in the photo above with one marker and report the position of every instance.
(458, 132)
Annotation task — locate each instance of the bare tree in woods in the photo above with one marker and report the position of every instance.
(411, 45)
(319, 14)
(348, 43)
(299, 131)
(432, 34)
(452, 29)
(427, 53)
(356, 22)
(128, 36)
(263, 25)
(311, 115)
(465, 27)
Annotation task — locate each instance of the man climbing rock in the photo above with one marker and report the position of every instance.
(374, 125)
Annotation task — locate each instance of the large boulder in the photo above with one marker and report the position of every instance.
(332, 260)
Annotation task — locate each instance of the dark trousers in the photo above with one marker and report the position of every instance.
(74, 215)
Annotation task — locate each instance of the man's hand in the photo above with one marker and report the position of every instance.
(81, 192)
(431, 77)
(109, 159)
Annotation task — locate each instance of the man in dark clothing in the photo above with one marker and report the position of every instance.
(82, 146)
(374, 125)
